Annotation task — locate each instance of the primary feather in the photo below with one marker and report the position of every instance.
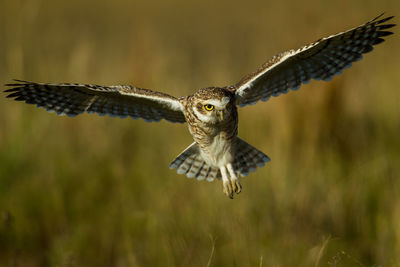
(118, 100)
(319, 60)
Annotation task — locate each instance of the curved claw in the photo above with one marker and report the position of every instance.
(231, 183)
(228, 189)
(237, 187)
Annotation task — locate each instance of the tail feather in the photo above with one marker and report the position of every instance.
(190, 162)
(248, 158)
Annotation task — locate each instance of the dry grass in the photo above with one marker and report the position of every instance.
(97, 191)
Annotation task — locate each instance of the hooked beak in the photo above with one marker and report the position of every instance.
(221, 114)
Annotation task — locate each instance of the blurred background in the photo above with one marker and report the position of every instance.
(97, 191)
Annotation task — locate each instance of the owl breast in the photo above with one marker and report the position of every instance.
(219, 152)
(214, 130)
(216, 141)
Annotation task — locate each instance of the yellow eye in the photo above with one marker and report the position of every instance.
(209, 107)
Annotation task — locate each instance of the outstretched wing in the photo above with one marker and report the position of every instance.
(320, 60)
(120, 100)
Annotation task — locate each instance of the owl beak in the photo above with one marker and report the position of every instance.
(221, 115)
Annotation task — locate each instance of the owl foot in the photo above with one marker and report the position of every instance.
(228, 189)
(237, 187)
(231, 184)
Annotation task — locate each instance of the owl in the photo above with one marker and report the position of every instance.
(212, 113)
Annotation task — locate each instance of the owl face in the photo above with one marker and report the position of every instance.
(213, 105)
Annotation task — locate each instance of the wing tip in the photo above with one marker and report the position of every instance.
(379, 20)
(19, 82)
(379, 23)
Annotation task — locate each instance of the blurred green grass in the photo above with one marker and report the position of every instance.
(97, 191)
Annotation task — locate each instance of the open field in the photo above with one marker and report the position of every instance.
(97, 191)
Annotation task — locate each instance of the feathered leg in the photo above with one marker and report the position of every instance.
(226, 182)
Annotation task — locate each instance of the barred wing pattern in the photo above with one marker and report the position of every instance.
(320, 60)
(119, 100)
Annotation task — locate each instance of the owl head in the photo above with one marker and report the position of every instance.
(213, 104)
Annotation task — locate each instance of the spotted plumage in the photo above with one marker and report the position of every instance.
(211, 113)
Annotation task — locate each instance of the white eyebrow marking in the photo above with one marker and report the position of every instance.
(218, 103)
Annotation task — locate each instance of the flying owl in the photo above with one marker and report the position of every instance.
(211, 113)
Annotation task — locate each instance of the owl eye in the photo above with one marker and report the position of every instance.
(208, 107)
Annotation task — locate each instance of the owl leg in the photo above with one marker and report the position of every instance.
(237, 187)
(226, 182)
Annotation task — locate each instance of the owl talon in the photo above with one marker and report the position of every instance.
(237, 187)
(228, 189)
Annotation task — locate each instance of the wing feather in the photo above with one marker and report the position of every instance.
(117, 101)
(320, 60)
